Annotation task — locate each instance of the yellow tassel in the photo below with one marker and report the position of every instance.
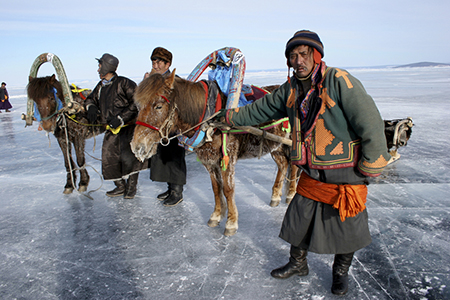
(115, 130)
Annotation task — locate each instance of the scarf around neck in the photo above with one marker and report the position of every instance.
(316, 82)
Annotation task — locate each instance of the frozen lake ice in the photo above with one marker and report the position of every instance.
(56, 246)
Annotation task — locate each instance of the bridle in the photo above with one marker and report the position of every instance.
(55, 97)
(164, 130)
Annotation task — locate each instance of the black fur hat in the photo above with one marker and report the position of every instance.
(108, 63)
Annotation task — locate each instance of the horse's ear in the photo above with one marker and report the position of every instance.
(171, 79)
(53, 78)
(30, 78)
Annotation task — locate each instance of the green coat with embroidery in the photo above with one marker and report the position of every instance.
(348, 130)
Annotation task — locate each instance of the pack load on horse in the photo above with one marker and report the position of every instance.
(169, 105)
(65, 119)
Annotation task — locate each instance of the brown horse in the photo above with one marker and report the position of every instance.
(41, 90)
(172, 104)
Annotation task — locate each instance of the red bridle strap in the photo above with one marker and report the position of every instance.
(147, 125)
(164, 97)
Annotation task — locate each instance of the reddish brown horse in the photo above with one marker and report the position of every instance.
(170, 105)
(41, 90)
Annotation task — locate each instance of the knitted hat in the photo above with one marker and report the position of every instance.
(304, 37)
(108, 64)
(161, 53)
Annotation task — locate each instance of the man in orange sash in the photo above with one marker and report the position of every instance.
(338, 140)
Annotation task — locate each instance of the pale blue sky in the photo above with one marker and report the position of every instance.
(356, 33)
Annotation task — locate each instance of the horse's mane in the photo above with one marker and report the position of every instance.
(188, 96)
(40, 87)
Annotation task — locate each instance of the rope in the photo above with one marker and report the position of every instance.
(80, 168)
(197, 125)
(72, 117)
(69, 162)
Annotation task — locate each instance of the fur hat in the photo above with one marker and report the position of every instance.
(161, 53)
(304, 37)
(108, 64)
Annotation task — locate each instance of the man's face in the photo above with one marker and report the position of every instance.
(302, 60)
(98, 70)
(160, 66)
(3, 86)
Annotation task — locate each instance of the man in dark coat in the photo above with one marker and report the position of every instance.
(4, 98)
(168, 164)
(338, 140)
(112, 98)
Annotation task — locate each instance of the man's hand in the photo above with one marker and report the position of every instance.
(220, 114)
(92, 114)
(115, 122)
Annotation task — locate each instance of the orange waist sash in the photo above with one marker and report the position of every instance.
(348, 199)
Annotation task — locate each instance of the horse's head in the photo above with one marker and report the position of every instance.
(157, 114)
(42, 91)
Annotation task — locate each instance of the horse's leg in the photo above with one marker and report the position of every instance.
(68, 163)
(79, 145)
(220, 207)
(231, 226)
(277, 188)
(294, 173)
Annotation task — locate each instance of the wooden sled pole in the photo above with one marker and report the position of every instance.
(265, 134)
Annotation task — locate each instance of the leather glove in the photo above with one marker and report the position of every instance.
(115, 122)
(221, 114)
(92, 114)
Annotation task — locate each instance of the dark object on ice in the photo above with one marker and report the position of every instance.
(4, 98)
(119, 190)
(175, 196)
(168, 104)
(297, 265)
(398, 132)
(131, 186)
(44, 91)
(341, 265)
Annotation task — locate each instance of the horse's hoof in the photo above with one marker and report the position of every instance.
(289, 199)
(68, 191)
(274, 203)
(230, 232)
(213, 223)
(82, 188)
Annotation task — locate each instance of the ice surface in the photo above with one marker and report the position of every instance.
(55, 246)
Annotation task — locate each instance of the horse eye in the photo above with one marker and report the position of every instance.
(159, 106)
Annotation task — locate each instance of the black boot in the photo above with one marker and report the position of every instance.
(341, 265)
(131, 186)
(176, 195)
(119, 190)
(297, 265)
(163, 196)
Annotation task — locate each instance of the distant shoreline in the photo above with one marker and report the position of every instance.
(282, 71)
(423, 64)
